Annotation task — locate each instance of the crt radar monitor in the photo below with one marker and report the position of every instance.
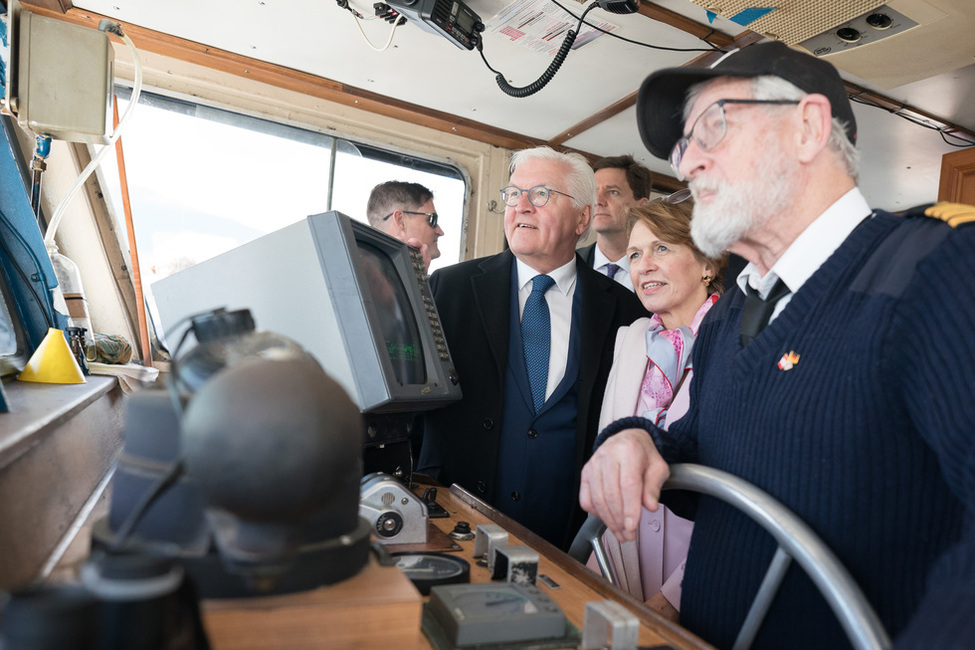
(354, 297)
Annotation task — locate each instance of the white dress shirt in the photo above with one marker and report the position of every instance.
(599, 262)
(559, 299)
(811, 248)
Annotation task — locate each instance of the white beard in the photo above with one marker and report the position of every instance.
(741, 209)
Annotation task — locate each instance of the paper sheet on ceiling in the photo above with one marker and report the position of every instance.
(541, 25)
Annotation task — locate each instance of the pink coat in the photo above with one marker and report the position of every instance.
(655, 560)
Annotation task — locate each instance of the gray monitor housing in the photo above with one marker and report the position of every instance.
(357, 299)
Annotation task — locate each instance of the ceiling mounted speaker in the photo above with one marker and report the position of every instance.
(922, 40)
(871, 27)
(791, 21)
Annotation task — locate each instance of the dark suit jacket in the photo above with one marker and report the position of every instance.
(588, 254)
(461, 441)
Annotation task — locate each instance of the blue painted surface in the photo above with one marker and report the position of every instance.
(750, 15)
(24, 258)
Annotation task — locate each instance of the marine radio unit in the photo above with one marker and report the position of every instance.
(449, 18)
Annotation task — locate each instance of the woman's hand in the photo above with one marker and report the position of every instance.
(625, 474)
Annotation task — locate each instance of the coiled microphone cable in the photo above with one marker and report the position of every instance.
(553, 67)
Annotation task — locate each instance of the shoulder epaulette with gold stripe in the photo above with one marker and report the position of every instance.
(953, 214)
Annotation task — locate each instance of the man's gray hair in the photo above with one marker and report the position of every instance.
(580, 180)
(772, 87)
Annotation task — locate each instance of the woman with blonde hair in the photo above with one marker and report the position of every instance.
(651, 372)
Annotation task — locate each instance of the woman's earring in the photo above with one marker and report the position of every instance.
(706, 280)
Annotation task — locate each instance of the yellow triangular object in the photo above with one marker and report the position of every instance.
(53, 363)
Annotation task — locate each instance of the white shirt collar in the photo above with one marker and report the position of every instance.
(564, 276)
(599, 260)
(812, 247)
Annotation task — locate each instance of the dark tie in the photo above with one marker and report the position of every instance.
(611, 270)
(536, 336)
(756, 313)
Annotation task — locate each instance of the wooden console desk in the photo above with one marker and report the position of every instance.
(577, 584)
(378, 608)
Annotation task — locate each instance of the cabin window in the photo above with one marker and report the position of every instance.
(204, 180)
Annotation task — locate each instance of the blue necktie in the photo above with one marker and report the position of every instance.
(536, 336)
(611, 270)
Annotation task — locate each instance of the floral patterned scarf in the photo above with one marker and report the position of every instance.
(668, 358)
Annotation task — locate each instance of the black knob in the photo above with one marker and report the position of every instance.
(389, 524)
(461, 531)
(879, 21)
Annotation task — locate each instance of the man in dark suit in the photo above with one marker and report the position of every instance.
(517, 448)
(621, 183)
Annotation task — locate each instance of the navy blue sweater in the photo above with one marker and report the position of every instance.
(868, 438)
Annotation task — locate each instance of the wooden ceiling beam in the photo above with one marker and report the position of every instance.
(344, 94)
(743, 40)
(294, 80)
(861, 95)
(54, 6)
(666, 16)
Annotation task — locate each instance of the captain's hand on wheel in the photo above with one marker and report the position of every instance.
(625, 473)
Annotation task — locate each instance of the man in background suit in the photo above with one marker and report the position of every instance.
(621, 183)
(406, 211)
(522, 451)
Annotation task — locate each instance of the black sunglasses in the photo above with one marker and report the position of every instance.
(431, 216)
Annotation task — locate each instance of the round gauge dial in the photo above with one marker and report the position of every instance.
(427, 570)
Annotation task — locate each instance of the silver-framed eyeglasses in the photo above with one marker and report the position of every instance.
(537, 196)
(431, 216)
(673, 199)
(710, 128)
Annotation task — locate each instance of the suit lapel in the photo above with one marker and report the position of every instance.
(598, 309)
(492, 298)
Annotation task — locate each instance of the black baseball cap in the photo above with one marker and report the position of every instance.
(660, 104)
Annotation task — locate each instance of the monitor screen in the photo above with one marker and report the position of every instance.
(354, 297)
(396, 321)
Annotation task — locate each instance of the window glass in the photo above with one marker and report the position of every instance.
(203, 180)
(356, 175)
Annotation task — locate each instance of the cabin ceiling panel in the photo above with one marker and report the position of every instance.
(319, 38)
(948, 94)
(900, 160)
(941, 42)
(619, 135)
(792, 21)
(913, 155)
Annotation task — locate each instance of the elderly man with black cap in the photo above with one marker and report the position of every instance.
(838, 378)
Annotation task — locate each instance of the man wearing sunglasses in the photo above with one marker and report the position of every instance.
(531, 332)
(853, 406)
(406, 211)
